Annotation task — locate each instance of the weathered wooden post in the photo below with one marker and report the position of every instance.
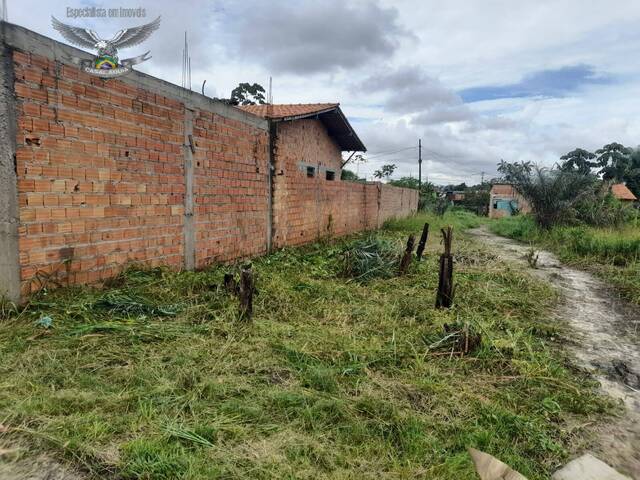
(444, 297)
(423, 241)
(406, 258)
(246, 289)
(230, 284)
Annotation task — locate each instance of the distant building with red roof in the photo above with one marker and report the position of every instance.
(622, 193)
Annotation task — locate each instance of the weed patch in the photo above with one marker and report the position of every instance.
(154, 377)
(612, 253)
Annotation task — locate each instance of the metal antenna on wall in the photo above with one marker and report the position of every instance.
(270, 98)
(5, 14)
(186, 64)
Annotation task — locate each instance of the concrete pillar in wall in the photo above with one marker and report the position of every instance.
(188, 223)
(9, 215)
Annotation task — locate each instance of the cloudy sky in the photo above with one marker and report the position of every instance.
(477, 80)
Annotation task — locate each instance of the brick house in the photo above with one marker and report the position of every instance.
(309, 141)
(504, 201)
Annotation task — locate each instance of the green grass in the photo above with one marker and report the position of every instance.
(155, 378)
(611, 253)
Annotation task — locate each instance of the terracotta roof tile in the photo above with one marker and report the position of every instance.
(287, 110)
(621, 192)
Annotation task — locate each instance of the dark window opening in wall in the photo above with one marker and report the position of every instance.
(330, 175)
(311, 172)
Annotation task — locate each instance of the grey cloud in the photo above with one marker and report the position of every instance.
(444, 115)
(409, 89)
(305, 37)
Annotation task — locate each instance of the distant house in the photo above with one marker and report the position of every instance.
(454, 196)
(622, 193)
(505, 201)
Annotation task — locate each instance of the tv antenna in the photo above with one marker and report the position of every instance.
(186, 63)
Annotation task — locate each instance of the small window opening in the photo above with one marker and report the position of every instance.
(311, 172)
(330, 175)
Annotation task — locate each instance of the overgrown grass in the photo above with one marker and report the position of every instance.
(154, 378)
(612, 253)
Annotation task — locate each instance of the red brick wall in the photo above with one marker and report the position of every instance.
(101, 179)
(231, 189)
(307, 209)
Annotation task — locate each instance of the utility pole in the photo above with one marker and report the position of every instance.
(419, 164)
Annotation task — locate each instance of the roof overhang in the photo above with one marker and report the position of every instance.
(337, 126)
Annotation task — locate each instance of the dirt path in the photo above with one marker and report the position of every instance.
(606, 342)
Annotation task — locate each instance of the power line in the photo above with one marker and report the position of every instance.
(390, 152)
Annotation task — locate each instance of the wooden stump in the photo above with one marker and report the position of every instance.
(406, 258)
(423, 241)
(444, 297)
(246, 289)
(230, 284)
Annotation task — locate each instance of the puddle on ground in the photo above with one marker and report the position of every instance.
(606, 341)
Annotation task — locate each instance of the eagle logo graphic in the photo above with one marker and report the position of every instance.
(106, 64)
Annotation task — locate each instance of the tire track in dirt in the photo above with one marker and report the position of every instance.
(606, 342)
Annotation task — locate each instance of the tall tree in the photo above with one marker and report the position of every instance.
(247, 94)
(633, 176)
(615, 162)
(385, 172)
(578, 160)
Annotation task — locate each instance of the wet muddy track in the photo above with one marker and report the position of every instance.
(605, 340)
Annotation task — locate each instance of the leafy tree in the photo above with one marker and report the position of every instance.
(633, 176)
(247, 94)
(552, 193)
(476, 198)
(615, 162)
(406, 182)
(427, 191)
(458, 188)
(385, 172)
(579, 161)
(350, 176)
(509, 172)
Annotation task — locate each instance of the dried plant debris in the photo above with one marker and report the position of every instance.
(459, 338)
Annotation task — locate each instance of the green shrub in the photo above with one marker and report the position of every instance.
(603, 210)
(371, 257)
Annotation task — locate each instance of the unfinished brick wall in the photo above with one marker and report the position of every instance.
(101, 177)
(230, 189)
(307, 207)
(135, 170)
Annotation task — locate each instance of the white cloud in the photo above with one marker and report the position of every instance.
(407, 60)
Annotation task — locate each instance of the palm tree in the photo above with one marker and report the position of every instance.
(552, 193)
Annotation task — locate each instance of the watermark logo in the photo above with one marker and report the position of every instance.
(106, 64)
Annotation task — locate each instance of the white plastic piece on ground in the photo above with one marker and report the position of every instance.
(490, 468)
(588, 467)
